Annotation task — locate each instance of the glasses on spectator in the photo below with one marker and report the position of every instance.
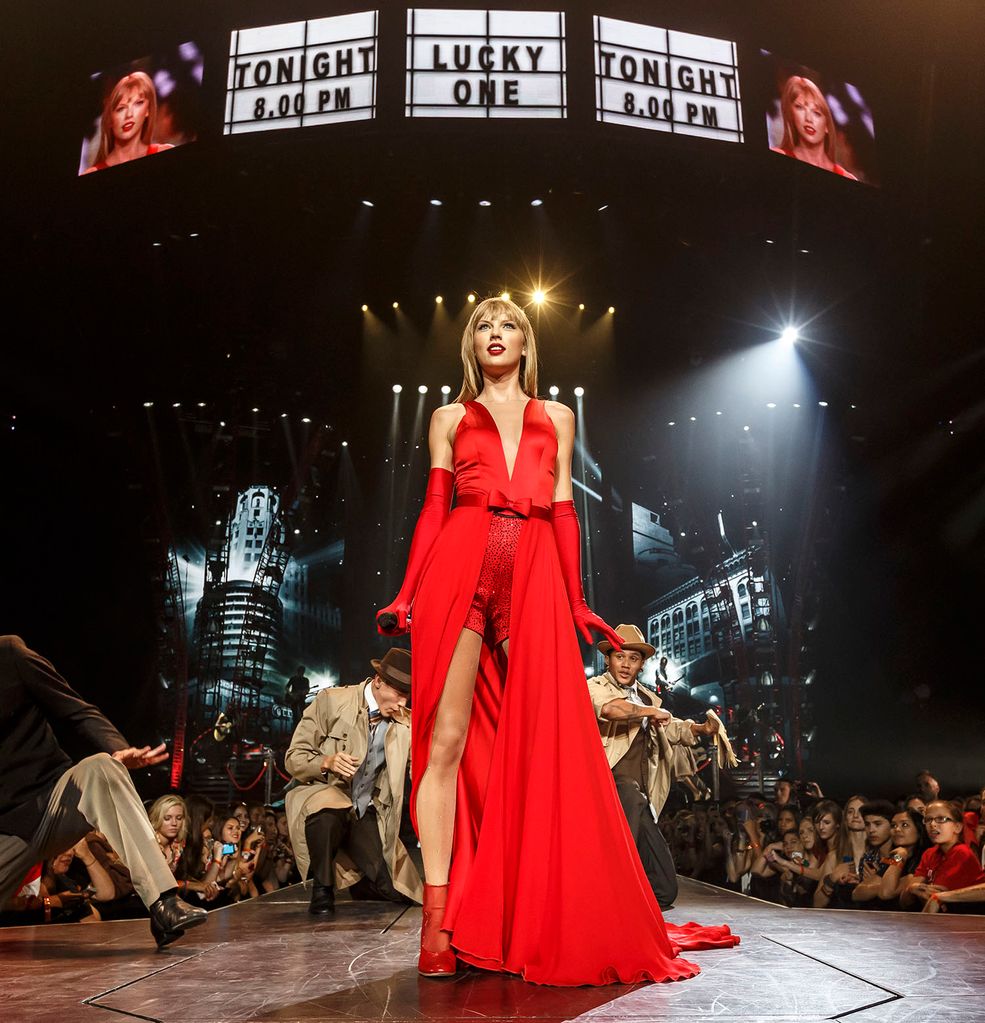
(940, 820)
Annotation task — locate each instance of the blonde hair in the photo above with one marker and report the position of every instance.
(160, 807)
(472, 380)
(137, 81)
(797, 86)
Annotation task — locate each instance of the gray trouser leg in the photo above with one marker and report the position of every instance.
(96, 794)
(657, 861)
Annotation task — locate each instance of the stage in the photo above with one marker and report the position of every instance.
(268, 960)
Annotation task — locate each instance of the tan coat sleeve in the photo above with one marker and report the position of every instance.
(679, 732)
(304, 756)
(600, 693)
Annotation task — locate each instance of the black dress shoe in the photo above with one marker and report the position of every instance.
(170, 917)
(322, 899)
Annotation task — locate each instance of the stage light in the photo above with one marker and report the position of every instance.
(485, 202)
(823, 404)
(366, 202)
(505, 296)
(254, 410)
(693, 419)
(445, 389)
(397, 388)
(612, 308)
(769, 241)
(345, 443)
(554, 390)
(218, 522)
(148, 404)
(789, 336)
(201, 404)
(745, 428)
(423, 389)
(718, 413)
(438, 300)
(305, 419)
(156, 245)
(581, 307)
(396, 305)
(222, 422)
(365, 308)
(539, 296)
(437, 202)
(536, 202)
(283, 415)
(297, 532)
(471, 296)
(796, 404)
(176, 404)
(771, 404)
(672, 423)
(579, 392)
(194, 234)
(605, 207)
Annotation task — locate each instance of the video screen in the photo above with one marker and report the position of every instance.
(302, 73)
(143, 108)
(819, 120)
(485, 64)
(656, 78)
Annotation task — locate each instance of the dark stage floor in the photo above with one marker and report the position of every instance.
(268, 960)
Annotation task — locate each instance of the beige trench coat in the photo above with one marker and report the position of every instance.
(670, 756)
(336, 722)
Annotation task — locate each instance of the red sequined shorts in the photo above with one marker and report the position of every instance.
(490, 610)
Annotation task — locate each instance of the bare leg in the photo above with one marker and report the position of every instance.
(437, 789)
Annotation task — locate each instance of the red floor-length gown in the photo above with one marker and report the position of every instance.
(545, 880)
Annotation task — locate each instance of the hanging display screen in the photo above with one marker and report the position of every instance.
(302, 73)
(148, 106)
(485, 64)
(820, 120)
(657, 78)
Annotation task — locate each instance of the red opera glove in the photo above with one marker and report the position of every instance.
(434, 514)
(567, 536)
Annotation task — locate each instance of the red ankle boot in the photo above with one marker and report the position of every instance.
(437, 958)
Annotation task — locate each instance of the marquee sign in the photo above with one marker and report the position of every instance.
(302, 73)
(656, 78)
(485, 64)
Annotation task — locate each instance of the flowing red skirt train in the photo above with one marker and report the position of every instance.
(546, 881)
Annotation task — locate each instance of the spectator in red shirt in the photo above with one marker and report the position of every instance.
(948, 864)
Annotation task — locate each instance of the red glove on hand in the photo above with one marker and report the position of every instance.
(567, 536)
(434, 514)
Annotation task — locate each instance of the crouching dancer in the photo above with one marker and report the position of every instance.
(646, 747)
(47, 804)
(350, 754)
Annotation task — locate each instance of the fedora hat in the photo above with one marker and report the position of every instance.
(632, 639)
(394, 668)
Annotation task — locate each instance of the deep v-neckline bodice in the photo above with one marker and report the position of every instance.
(510, 470)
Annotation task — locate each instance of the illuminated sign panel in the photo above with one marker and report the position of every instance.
(656, 78)
(302, 73)
(485, 64)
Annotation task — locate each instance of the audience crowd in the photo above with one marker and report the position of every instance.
(923, 853)
(218, 856)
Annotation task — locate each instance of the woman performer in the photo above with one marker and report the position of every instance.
(808, 127)
(529, 864)
(126, 128)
